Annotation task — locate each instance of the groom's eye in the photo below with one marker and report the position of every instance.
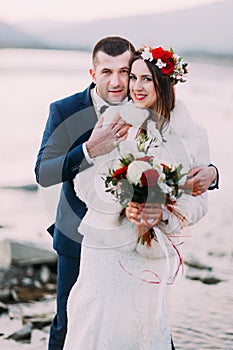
(105, 71)
(125, 71)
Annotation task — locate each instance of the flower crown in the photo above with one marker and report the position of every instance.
(170, 63)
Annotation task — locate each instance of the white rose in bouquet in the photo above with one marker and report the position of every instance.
(135, 170)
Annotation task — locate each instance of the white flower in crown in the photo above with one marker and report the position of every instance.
(160, 63)
(146, 54)
(167, 61)
(176, 57)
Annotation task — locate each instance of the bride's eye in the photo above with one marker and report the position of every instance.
(148, 79)
(132, 77)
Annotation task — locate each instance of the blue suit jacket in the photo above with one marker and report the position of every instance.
(60, 158)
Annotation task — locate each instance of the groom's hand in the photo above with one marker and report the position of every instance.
(199, 179)
(104, 137)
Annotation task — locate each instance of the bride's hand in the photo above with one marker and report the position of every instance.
(145, 214)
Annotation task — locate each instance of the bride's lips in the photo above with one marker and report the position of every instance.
(139, 97)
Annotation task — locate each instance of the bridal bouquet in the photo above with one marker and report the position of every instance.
(143, 178)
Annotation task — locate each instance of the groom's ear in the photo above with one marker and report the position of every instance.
(92, 73)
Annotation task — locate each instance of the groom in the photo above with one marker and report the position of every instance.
(70, 144)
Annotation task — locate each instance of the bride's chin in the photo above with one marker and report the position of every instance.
(138, 103)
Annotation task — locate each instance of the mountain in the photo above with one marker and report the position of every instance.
(205, 29)
(13, 37)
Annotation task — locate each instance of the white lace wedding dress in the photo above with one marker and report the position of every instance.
(117, 302)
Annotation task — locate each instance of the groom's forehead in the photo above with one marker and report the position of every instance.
(105, 61)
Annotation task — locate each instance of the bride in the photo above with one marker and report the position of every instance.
(120, 300)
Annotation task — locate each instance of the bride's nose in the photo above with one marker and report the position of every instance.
(138, 85)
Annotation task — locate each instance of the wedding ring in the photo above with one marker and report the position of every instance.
(118, 135)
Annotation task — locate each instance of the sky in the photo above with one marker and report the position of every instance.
(13, 11)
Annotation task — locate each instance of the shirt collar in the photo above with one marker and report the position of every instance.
(98, 102)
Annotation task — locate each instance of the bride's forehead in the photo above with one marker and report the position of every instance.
(139, 67)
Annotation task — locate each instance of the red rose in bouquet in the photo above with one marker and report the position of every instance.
(120, 174)
(145, 180)
(149, 178)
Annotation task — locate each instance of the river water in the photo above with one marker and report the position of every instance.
(201, 314)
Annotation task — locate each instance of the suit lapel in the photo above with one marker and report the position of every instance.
(81, 123)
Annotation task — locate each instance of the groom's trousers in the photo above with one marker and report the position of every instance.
(67, 273)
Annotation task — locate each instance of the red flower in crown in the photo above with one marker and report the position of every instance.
(164, 55)
(169, 69)
(168, 62)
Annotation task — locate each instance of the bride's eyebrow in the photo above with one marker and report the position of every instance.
(142, 75)
(146, 76)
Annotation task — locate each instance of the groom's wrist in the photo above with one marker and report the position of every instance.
(215, 181)
(88, 158)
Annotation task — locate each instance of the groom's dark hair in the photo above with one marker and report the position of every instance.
(112, 46)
